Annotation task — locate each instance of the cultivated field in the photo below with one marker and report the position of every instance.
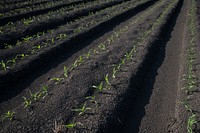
(99, 66)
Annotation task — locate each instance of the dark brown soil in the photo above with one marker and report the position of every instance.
(144, 97)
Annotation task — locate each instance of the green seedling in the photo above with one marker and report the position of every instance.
(129, 56)
(95, 51)
(99, 87)
(57, 80)
(88, 55)
(10, 23)
(52, 40)
(191, 121)
(27, 22)
(102, 47)
(3, 65)
(35, 96)
(27, 103)
(80, 60)
(92, 99)
(114, 73)
(74, 65)
(107, 81)
(44, 92)
(1, 15)
(73, 124)
(66, 71)
(186, 105)
(7, 46)
(81, 110)
(9, 115)
(21, 56)
(35, 48)
(116, 34)
(123, 61)
(119, 67)
(11, 61)
(110, 40)
(27, 38)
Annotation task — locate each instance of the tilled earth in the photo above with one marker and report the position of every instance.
(108, 66)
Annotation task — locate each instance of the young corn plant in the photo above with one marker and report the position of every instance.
(81, 110)
(102, 47)
(99, 87)
(70, 125)
(66, 71)
(95, 51)
(129, 56)
(74, 65)
(3, 65)
(35, 96)
(80, 60)
(21, 56)
(73, 124)
(114, 71)
(7, 46)
(27, 22)
(9, 115)
(88, 55)
(192, 120)
(92, 100)
(57, 80)
(44, 92)
(27, 102)
(108, 84)
(11, 61)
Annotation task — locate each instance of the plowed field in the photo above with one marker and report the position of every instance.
(99, 66)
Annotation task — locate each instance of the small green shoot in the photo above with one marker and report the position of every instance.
(129, 56)
(7, 46)
(114, 73)
(21, 56)
(73, 124)
(3, 65)
(66, 71)
(70, 125)
(99, 87)
(191, 121)
(88, 55)
(35, 96)
(9, 115)
(44, 92)
(80, 60)
(81, 110)
(57, 80)
(27, 103)
(107, 81)
(102, 46)
(92, 99)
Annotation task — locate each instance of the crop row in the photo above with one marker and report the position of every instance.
(12, 2)
(8, 7)
(68, 26)
(190, 77)
(33, 10)
(52, 19)
(77, 27)
(27, 13)
(78, 62)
